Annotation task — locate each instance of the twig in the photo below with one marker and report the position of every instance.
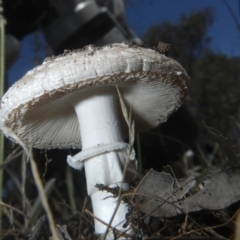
(104, 223)
(11, 157)
(93, 216)
(40, 227)
(207, 228)
(81, 216)
(232, 14)
(36, 207)
(81, 213)
(11, 207)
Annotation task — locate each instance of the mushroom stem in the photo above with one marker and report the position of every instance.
(99, 124)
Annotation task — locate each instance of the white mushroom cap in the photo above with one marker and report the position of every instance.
(37, 110)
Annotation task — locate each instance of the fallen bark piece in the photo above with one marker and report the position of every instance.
(160, 195)
(219, 191)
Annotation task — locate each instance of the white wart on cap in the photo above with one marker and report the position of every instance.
(37, 110)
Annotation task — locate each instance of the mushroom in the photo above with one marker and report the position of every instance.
(70, 101)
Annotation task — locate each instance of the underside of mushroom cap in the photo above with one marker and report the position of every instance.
(38, 111)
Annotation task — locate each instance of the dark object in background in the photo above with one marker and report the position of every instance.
(12, 48)
(69, 24)
(24, 16)
(167, 143)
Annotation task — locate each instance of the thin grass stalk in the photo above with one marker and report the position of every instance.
(2, 73)
(11, 157)
(23, 190)
(36, 208)
(12, 208)
(70, 189)
(237, 227)
(140, 161)
(131, 129)
(42, 195)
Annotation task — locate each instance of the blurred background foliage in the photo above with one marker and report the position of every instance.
(215, 78)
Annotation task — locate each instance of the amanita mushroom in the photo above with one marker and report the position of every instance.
(70, 101)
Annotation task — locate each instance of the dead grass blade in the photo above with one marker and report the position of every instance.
(42, 195)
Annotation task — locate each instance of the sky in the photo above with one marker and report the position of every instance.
(224, 33)
(141, 14)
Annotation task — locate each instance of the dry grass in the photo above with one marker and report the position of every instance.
(23, 213)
